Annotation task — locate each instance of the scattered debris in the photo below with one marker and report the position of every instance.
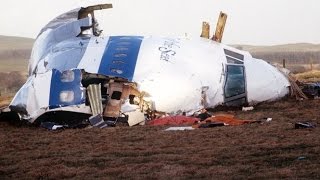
(204, 114)
(174, 120)
(211, 124)
(223, 120)
(51, 126)
(268, 119)
(265, 120)
(311, 90)
(4, 109)
(302, 158)
(179, 128)
(295, 90)
(135, 117)
(247, 108)
(302, 125)
(97, 121)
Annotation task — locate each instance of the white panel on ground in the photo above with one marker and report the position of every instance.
(135, 117)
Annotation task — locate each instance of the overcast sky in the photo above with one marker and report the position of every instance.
(257, 22)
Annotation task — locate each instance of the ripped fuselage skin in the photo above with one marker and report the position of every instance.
(74, 71)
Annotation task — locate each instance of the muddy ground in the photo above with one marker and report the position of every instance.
(254, 151)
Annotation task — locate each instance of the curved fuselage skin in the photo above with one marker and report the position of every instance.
(178, 74)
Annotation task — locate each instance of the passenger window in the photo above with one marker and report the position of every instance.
(235, 81)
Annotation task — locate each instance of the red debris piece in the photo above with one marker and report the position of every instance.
(229, 120)
(174, 120)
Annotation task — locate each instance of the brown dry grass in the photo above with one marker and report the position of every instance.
(11, 82)
(253, 151)
(9, 65)
(5, 100)
(309, 76)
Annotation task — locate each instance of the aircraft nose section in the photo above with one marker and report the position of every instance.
(264, 81)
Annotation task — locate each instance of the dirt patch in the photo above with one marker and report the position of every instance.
(269, 150)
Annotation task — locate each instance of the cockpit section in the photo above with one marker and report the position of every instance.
(235, 91)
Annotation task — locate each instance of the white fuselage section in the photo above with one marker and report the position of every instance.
(176, 74)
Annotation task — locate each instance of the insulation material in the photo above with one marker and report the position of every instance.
(95, 99)
(114, 100)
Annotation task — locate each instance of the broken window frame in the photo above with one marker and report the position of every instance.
(233, 54)
(234, 60)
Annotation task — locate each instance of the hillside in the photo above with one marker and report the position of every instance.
(299, 47)
(12, 42)
(301, 53)
(14, 53)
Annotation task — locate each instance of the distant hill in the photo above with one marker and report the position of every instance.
(12, 42)
(15, 47)
(301, 53)
(299, 47)
(14, 53)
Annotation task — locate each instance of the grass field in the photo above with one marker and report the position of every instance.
(12, 42)
(5, 100)
(310, 76)
(273, 150)
(14, 53)
(298, 47)
(8, 65)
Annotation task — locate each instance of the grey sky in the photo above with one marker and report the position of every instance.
(263, 22)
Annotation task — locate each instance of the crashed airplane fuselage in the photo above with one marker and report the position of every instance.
(75, 69)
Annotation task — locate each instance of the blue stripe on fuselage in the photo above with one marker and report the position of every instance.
(120, 56)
